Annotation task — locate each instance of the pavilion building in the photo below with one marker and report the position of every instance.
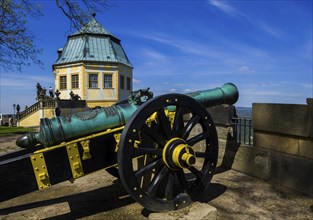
(94, 66)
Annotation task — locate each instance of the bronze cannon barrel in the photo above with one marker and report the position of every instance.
(66, 128)
(227, 94)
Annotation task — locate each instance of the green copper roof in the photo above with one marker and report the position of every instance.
(93, 27)
(92, 43)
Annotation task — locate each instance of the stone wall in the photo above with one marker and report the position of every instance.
(284, 128)
(285, 132)
(283, 146)
(222, 114)
(67, 107)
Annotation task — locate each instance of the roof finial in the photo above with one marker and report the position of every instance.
(93, 14)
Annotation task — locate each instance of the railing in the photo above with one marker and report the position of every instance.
(29, 110)
(49, 103)
(243, 130)
(35, 107)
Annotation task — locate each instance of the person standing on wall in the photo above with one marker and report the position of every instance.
(51, 93)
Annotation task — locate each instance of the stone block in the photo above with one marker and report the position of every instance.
(287, 119)
(222, 114)
(306, 148)
(252, 161)
(276, 142)
(196, 211)
(292, 172)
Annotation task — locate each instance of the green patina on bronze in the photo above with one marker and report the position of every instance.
(66, 128)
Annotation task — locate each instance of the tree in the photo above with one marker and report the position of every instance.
(16, 43)
(17, 48)
(79, 12)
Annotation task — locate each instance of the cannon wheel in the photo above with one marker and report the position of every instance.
(176, 165)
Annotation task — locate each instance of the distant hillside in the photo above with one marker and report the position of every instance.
(244, 112)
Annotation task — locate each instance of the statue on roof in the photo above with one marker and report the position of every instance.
(57, 94)
(41, 93)
(74, 97)
(39, 89)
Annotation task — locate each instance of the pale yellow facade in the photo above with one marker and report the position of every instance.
(33, 120)
(91, 84)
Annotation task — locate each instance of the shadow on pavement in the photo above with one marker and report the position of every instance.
(231, 149)
(83, 204)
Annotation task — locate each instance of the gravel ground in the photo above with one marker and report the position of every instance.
(101, 196)
(7, 144)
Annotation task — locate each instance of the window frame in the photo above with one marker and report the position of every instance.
(72, 76)
(61, 83)
(90, 86)
(110, 81)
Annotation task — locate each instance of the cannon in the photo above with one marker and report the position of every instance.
(163, 149)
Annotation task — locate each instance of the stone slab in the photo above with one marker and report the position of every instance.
(252, 161)
(306, 148)
(222, 114)
(196, 211)
(292, 172)
(287, 119)
(276, 142)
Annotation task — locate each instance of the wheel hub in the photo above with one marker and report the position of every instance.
(178, 154)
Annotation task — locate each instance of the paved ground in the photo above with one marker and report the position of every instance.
(101, 196)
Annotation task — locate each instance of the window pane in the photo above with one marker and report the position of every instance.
(128, 84)
(93, 80)
(75, 82)
(63, 82)
(107, 81)
(122, 82)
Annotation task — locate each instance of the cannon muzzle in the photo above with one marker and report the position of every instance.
(227, 94)
(66, 128)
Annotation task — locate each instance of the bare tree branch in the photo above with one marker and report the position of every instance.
(17, 48)
(80, 12)
(16, 42)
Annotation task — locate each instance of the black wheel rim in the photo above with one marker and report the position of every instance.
(174, 170)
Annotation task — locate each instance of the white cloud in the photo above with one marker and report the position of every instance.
(288, 84)
(224, 7)
(186, 46)
(275, 32)
(187, 90)
(20, 88)
(154, 55)
(24, 81)
(15, 83)
(257, 92)
(245, 69)
(136, 81)
(225, 50)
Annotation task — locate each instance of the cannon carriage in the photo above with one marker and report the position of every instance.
(163, 149)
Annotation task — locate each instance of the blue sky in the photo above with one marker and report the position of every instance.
(264, 47)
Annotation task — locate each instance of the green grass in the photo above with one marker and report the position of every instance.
(6, 131)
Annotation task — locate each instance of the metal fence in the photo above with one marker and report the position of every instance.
(243, 130)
